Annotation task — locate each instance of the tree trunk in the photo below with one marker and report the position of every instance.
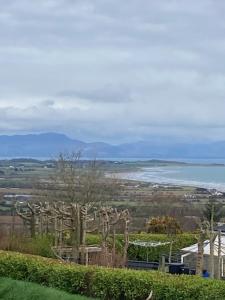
(126, 239)
(219, 269)
(83, 229)
(75, 249)
(60, 236)
(75, 234)
(105, 231)
(211, 264)
(47, 225)
(200, 255)
(40, 224)
(170, 253)
(32, 226)
(56, 231)
(114, 246)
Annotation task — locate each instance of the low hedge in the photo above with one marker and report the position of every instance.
(105, 283)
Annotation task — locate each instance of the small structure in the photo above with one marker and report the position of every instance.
(190, 255)
(65, 253)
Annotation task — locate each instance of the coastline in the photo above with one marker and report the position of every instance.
(140, 176)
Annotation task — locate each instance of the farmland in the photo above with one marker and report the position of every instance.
(23, 177)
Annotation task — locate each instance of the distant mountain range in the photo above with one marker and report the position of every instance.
(49, 145)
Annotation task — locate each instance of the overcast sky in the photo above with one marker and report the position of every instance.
(113, 70)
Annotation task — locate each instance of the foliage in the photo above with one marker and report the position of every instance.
(108, 283)
(17, 290)
(155, 253)
(164, 224)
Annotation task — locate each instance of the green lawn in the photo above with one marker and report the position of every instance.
(19, 290)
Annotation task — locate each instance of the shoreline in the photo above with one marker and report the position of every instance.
(167, 182)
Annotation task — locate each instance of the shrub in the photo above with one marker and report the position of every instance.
(164, 224)
(110, 284)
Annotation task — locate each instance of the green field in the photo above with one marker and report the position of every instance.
(19, 290)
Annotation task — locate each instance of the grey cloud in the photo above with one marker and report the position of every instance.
(135, 69)
(107, 93)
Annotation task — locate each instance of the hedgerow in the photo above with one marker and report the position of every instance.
(105, 283)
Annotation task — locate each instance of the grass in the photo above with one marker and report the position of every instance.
(20, 290)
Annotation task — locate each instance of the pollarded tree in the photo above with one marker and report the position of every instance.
(109, 217)
(30, 214)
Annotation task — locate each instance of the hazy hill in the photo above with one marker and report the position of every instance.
(50, 144)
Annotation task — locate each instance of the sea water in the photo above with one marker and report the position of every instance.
(207, 176)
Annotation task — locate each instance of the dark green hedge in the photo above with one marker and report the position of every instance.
(155, 253)
(111, 284)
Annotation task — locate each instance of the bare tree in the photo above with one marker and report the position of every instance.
(203, 235)
(109, 218)
(81, 185)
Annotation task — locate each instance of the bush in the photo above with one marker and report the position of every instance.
(164, 224)
(110, 284)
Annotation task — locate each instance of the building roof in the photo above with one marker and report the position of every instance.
(194, 248)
